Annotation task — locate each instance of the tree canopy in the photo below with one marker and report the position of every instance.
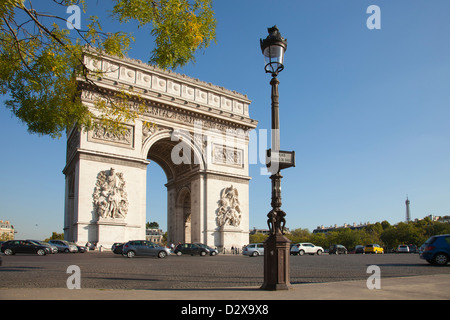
(41, 59)
(387, 235)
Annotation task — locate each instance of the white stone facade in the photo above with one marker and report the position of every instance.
(106, 174)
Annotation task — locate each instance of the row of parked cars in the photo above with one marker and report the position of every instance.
(134, 248)
(300, 249)
(256, 249)
(436, 250)
(41, 248)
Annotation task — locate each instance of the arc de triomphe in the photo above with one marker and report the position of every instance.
(198, 134)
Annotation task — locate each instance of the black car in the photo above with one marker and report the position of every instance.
(190, 248)
(24, 246)
(117, 248)
(337, 249)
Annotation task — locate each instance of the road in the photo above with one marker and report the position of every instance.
(109, 271)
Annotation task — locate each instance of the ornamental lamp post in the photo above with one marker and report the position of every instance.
(276, 247)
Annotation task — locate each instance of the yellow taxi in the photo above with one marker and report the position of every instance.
(373, 248)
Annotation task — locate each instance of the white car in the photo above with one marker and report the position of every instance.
(403, 248)
(306, 247)
(253, 250)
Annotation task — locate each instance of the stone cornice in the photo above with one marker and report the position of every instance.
(169, 88)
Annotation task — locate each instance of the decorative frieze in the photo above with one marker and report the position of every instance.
(151, 78)
(124, 138)
(224, 155)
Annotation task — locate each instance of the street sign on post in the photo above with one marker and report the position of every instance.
(285, 159)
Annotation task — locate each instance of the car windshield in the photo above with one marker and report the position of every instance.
(430, 240)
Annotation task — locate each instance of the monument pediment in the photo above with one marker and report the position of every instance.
(167, 88)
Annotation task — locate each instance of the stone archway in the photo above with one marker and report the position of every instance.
(184, 206)
(199, 138)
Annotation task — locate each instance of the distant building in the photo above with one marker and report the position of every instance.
(265, 231)
(6, 231)
(354, 226)
(154, 235)
(443, 219)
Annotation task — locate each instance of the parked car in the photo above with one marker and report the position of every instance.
(402, 248)
(24, 246)
(81, 249)
(253, 250)
(144, 248)
(63, 246)
(412, 248)
(373, 248)
(52, 248)
(359, 249)
(190, 248)
(436, 250)
(337, 249)
(302, 248)
(117, 248)
(212, 251)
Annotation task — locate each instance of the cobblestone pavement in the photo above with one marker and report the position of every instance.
(109, 271)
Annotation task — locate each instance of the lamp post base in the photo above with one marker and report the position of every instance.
(276, 263)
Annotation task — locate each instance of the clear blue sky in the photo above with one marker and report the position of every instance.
(367, 112)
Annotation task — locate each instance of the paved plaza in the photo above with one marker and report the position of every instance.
(223, 277)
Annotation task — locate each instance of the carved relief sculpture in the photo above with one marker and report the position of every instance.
(110, 198)
(229, 212)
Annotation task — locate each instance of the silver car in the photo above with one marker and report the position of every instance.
(144, 248)
(253, 250)
(63, 246)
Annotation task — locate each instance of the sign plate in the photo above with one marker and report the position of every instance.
(285, 159)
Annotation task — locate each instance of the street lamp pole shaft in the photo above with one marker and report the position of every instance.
(276, 247)
(275, 115)
(276, 176)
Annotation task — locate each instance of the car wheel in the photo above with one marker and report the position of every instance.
(213, 253)
(8, 252)
(41, 252)
(301, 252)
(179, 253)
(162, 254)
(131, 254)
(66, 250)
(255, 253)
(440, 259)
(319, 252)
(203, 253)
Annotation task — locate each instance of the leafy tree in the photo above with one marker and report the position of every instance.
(299, 235)
(41, 62)
(56, 236)
(152, 225)
(257, 238)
